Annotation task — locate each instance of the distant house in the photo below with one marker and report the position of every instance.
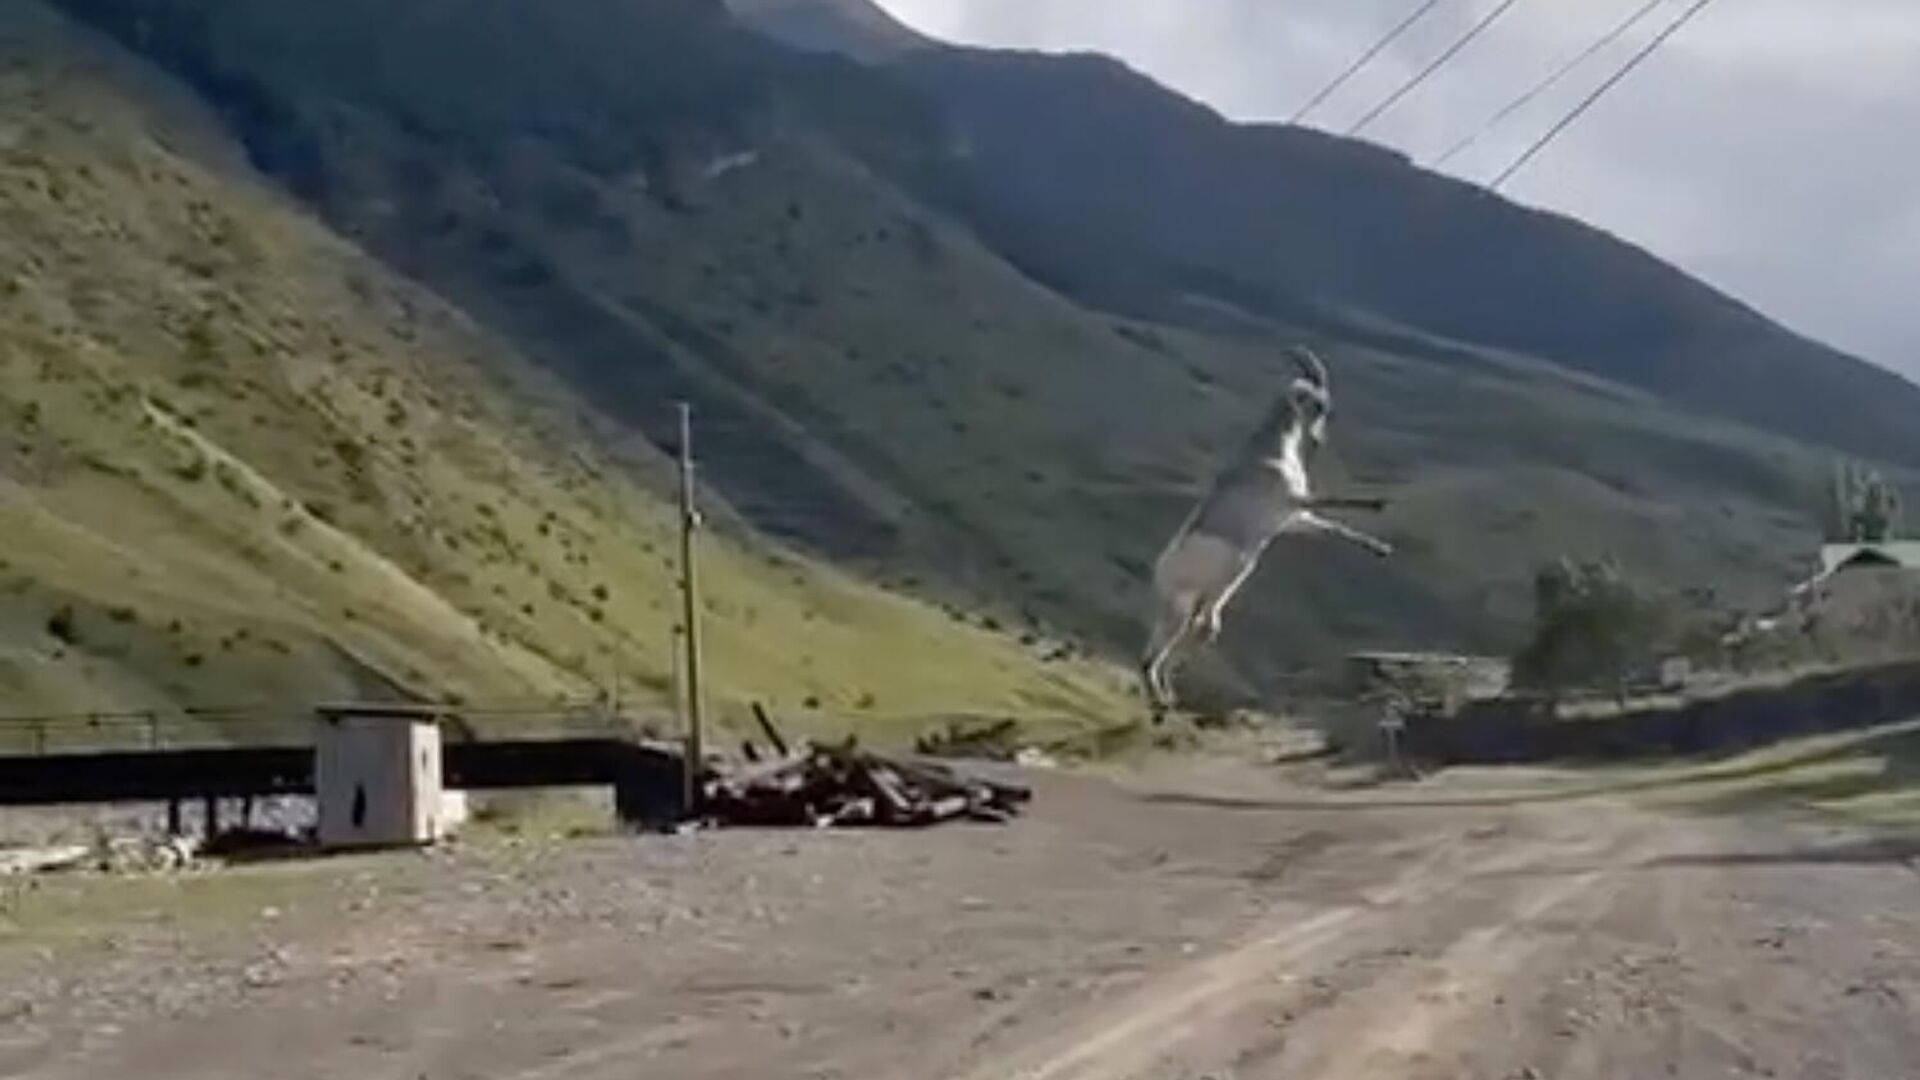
(1861, 590)
(1891, 555)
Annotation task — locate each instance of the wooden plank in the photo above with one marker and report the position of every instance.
(766, 771)
(893, 802)
(772, 733)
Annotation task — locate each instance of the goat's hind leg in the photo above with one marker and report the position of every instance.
(1173, 622)
(1213, 611)
(1194, 581)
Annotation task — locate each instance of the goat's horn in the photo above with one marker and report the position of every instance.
(1310, 364)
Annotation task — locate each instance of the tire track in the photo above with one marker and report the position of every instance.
(1414, 1020)
(1271, 1005)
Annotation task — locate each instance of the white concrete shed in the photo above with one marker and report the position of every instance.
(376, 776)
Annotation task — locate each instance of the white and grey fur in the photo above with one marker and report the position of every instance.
(1262, 493)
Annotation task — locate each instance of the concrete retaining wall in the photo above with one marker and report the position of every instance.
(1513, 730)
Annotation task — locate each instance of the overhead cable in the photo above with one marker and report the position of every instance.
(1433, 67)
(1365, 58)
(1599, 92)
(1553, 79)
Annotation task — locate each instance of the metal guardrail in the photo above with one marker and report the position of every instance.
(279, 726)
(94, 732)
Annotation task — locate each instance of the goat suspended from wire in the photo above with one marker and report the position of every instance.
(1262, 493)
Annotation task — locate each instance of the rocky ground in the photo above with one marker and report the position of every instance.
(1198, 919)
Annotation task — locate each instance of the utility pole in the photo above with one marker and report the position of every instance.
(690, 611)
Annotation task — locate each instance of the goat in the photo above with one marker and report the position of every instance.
(1262, 493)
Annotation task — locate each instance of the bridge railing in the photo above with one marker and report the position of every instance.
(79, 733)
(280, 726)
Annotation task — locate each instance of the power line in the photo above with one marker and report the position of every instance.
(1438, 62)
(1366, 58)
(1552, 80)
(1599, 92)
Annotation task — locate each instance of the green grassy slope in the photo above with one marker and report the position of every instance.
(247, 463)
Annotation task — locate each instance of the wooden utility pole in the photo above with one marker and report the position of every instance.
(690, 613)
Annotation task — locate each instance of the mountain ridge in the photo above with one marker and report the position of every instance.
(1285, 215)
(885, 377)
(1040, 116)
(855, 28)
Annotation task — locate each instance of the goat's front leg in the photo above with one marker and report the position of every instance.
(1308, 521)
(1343, 502)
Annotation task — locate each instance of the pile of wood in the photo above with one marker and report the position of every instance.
(989, 740)
(841, 785)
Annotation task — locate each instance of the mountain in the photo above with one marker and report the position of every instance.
(1126, 195)
(249, 464)
(853, 28)
(912, 357)
(1077, 164)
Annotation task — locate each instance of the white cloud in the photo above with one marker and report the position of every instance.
(1771, 147)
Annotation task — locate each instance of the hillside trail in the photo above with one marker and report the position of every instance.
(1141, 929)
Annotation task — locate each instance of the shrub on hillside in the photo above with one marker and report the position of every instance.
(1592, 628)
(63, 625)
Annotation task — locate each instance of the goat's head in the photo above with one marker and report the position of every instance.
(1311, 394)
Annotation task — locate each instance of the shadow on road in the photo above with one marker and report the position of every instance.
(1871, 851)
(1265, 805)
(1885, 759)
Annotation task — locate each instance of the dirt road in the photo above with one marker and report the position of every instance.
(1122, 932)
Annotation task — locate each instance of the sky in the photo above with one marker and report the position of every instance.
(1771, 147)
